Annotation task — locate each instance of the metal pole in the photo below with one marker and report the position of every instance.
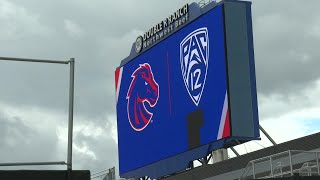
(70, 125)
(290, 161)
(267, 135)
(271, 167)
(33, 163)
(317, 156)
(253, 171)
(280, 169)
(191, 165)
(234, 151)
(204, 161)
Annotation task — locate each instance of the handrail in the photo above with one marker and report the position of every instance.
(203, 3)
(268, 157)
(246, 169)
(34, 163)
(295, 157)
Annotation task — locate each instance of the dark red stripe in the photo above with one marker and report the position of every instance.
(135, 112)
(117, 72)
(226, 129)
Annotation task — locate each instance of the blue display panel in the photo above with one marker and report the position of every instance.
(162, 93)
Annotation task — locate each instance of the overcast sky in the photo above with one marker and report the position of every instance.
(99, 34)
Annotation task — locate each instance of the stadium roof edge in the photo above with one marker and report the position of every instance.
(306, 143)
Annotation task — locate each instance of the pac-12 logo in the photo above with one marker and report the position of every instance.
(194, 55)
(142, 90)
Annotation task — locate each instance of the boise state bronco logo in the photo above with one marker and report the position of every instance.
(194, 55)
(142, 90)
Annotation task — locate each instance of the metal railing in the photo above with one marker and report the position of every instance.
(205, 2)
(107, 174)
(284, 164)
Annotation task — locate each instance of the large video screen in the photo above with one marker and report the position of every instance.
(189, 93)
(162, 89)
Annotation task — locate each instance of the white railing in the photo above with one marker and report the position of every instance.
(284, 164)
(205, 2)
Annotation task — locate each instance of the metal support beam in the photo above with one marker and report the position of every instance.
(205, 160)
(318, 167)
(33, 60)
(290, 163)
(267, 135)
(33, 163)
(191, 165)
(208, 159)
(253, 171)
(271, 167)
(70, 125)
(234, 151)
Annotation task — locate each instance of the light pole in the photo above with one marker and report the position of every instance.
(70, 117)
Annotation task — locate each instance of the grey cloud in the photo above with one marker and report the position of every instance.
(101, 151)
(20, 142)
(36, 140)
(281, 43)
(286, 51)
(105, 152)
(106, 38)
